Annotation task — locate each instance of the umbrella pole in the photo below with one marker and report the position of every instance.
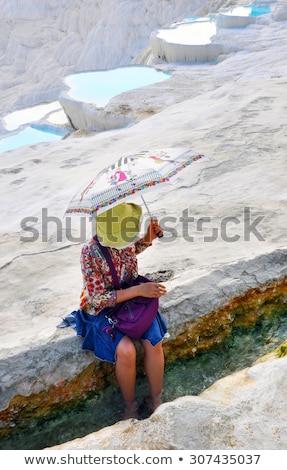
(146, 206)
(160, 233)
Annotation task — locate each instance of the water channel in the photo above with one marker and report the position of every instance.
(182, 377)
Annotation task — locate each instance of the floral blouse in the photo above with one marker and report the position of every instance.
(98, 291)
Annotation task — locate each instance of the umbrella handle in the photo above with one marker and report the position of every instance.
(159, 234)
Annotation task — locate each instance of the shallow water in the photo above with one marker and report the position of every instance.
(96, 87)
(183, 377)
(102, 85)
(247, 10)
(31, 136)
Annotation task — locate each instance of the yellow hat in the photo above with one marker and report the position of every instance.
(119, 226)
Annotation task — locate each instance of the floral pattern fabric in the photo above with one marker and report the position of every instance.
(98, 290)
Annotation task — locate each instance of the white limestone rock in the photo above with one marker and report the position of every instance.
(246, 410)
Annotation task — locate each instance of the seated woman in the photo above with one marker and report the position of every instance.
(118, 229)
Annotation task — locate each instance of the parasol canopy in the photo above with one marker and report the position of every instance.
(130, 175)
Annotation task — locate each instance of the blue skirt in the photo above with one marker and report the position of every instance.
(92, 329)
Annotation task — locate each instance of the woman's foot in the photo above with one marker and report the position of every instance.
(131, 410)
(149, 405)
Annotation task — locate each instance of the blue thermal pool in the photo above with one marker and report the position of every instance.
(100, 86)
(248, 10)
(25, 126)
(29, 136)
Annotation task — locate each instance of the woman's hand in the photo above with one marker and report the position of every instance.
(147, 289)
(153, 231)
(151, 290)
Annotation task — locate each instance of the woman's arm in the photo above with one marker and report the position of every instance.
(94, 287)
(148, 289)
(151, 234)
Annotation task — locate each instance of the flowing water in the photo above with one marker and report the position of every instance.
(183, 377)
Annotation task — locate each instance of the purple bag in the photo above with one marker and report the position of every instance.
(134, 316)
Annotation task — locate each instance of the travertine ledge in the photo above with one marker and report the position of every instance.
(203, 315)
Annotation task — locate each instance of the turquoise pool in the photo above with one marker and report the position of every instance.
(30, 136)
(248, 10)
(99, 87)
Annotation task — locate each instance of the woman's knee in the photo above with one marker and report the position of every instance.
(150, 349)
(126, 350)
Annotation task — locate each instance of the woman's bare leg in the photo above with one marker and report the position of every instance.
(126, 374)
(154, 369)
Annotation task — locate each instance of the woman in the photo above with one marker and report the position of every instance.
(118, 229)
